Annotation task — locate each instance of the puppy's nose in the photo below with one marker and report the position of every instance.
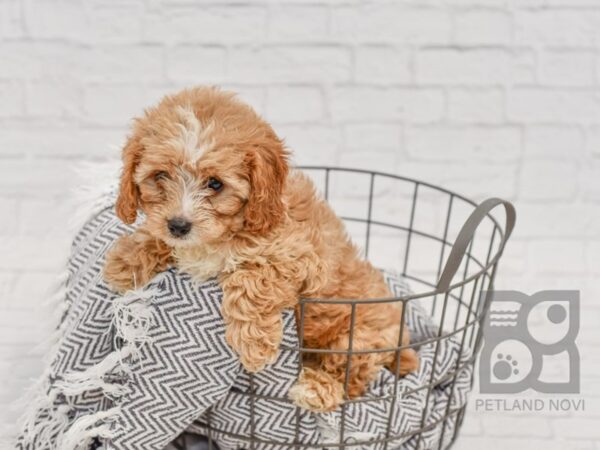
(179, 227)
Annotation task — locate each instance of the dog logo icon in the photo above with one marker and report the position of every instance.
(529, 343)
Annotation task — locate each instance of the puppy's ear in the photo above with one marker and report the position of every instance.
(128, 199)
(268, 172)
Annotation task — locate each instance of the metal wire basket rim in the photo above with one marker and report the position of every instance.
(411, 433)
(389, 175)
(396, 349)
(451, 265)
(438, 381)
(404, 298)
(417, 232)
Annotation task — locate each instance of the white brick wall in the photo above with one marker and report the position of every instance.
(487, 97)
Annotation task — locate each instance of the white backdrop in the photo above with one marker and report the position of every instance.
(486, 97)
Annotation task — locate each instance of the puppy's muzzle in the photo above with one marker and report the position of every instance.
(179, 227)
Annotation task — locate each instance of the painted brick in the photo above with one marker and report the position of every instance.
(593, 264)
(561, 220)
(9, 222)
(553, 142)
(577, 428)
(482, 27)
(56, 213)
(294, 104)
(34, 179)
(368, 161)
(558, 27)
(116, 23)
(480, 180)
(62, 19)
(497, 424)
(369, 137)
(117, 63)
(50, 142)
(485, 106)
(471, 427)
(382, 64)
(567, 68)
(194, 64)
(593, 141)
(53, 99)
(556, 256)
(207, 24)
(477, 443)
(590, 181)
(32, 288)
(548, 180)
(11, 21)
(463, 143)
(38, 60)
(368, 104)
(486, 3)
(299, 23)
(312, 145)
(112, 104)
(290, 64)
(570, 3)
(474, 66)
(389, 22)
(536, 105)
(253, 95)
(27, 253)
(13, 99)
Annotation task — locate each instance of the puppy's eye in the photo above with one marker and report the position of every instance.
(214, 184)
(162, 175)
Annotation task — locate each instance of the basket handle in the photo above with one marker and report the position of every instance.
(466, 234)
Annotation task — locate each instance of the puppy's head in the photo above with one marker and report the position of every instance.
(202, 166)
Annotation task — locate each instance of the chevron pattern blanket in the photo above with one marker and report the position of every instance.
(135, 371)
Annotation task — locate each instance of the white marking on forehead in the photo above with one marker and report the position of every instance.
(188, 199)
(206, 141)
(191, 194)
(189, 130)
(193, 139)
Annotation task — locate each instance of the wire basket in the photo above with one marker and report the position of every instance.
(445, 245)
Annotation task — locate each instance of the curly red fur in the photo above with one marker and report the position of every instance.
(266, 234)
(268, 173)
(128, 199)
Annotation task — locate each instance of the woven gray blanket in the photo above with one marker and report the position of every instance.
(134, 371)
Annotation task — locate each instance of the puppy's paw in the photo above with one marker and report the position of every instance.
(409, 362)
(257, 344)
(119, 268)
(134, 260)
(317, 391)
(256, 357)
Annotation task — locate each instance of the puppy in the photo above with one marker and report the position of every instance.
(212, 179)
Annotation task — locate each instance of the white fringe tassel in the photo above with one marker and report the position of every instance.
(76, 383)
(80, 434)
(132, 319)
(48, 425)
